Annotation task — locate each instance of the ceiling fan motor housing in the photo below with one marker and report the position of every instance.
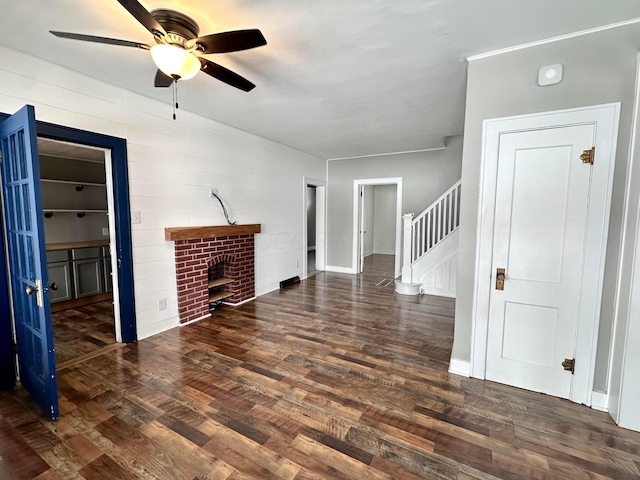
(178, 26)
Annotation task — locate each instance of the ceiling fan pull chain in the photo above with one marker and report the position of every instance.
(175, 94)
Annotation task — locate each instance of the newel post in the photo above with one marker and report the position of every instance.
(407, 239)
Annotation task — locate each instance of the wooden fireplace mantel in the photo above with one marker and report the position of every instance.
(192, 233)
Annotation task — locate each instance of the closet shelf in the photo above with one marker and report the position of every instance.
(75, 210)
(73, 182)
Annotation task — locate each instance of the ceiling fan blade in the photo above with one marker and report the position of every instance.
(225, 75)
(144, 17)
(162, 80)
(229, 41)
(92, 38)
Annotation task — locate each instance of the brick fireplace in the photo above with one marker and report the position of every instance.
(228, 252)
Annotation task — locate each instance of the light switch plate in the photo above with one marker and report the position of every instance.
(135, 217)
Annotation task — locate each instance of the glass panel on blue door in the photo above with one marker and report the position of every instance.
(11, 216)
(26, 206)
(13, 158)
(13, 248)
(21, 270)
(37, 350)
(17, 207)
(31, 272)
(22, 157)
(29, 358)
(33, 307)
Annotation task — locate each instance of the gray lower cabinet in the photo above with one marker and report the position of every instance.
(87, 277)
(79, 272)
(60, 281)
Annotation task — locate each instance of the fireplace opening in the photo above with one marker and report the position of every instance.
(219, 285)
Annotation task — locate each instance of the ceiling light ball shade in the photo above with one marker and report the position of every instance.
(175, 61)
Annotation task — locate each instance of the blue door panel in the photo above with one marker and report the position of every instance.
(27, 260)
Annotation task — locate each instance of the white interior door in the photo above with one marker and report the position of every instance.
(541, 212)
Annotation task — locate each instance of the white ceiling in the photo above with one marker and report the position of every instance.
(338, 78)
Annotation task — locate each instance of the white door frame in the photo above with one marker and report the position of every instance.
(397, 181)
(321, 224)
(605, 117)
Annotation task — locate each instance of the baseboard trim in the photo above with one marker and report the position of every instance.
(600, 401)
(195, 320)
(460, 367)
(240, 303)
(438, 292)
(332, 268)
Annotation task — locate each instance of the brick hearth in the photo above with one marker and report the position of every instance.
(193, 259)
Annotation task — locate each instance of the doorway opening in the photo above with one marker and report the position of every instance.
(314, 224)
(377, 227)
(25, 288)
(77, 200)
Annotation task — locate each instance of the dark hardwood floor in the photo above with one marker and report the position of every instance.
(82, 331)
(332, 378)
(378, 269)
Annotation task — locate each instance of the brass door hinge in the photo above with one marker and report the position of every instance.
(569, 364)
(588, 156)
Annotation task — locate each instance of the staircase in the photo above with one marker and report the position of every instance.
(430, 248)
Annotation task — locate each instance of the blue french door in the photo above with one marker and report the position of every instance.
(24, 222)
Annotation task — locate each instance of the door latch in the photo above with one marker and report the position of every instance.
(569, 364)
(500, 273)
(38, 291)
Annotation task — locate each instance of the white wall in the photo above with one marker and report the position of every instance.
(384, 222)
(598, 68)
(425, 176)
(172, 165)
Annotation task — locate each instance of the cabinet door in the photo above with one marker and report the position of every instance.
(60, 274)
(87, 277)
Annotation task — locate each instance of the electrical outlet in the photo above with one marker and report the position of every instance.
(135, 217)
(212, 192)
(162, 304)
(105, 232)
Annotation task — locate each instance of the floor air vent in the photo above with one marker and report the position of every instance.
(289, 281)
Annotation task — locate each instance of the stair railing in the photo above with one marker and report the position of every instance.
(435, 223)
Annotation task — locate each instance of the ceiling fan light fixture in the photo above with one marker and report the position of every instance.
(175, 61)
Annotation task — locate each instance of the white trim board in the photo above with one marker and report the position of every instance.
(460, 367)
(600, 401)
(335, 269)
(387, 154)
(558, 38)
(321, 227)
(606, 119)
(378, 181)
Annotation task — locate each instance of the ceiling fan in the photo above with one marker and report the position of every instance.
(178, 48)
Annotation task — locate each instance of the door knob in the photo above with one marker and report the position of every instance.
(53, 286)
(30, 289)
